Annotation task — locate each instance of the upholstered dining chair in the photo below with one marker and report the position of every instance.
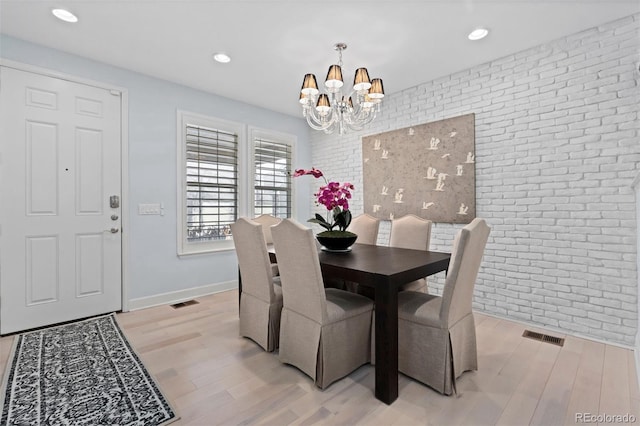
(326, 333)
(437, 335)
(411, 232)
(260, 300)
(366, 227)
(267, 221)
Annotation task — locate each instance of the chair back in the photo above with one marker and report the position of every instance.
(253, 259)
(466, 256)
(410, 232)
(300, 274)
(267, 221)
(366, 227)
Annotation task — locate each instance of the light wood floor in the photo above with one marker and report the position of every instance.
(213, 377)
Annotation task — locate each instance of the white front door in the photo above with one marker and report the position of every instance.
(60, 243)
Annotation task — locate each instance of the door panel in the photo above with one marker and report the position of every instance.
(89, 160)
(42, 168)
(89, 255)
(59, 164)
(42, 270)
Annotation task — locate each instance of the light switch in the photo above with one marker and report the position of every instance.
(150, 209)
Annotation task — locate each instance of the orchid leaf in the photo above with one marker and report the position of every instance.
(321, 219)
(342, 219)
(326, 225)
(347, 218)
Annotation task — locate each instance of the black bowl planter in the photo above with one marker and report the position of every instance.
(336, 240)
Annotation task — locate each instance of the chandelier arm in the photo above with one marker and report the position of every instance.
(360, 115)
(313, 125)
(317, 123)
(358, 109)
(359, 125)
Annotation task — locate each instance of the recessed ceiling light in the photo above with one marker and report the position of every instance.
(223, 58)
(478, 34)
(64, 15)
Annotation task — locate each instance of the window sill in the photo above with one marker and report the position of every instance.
(194, 250)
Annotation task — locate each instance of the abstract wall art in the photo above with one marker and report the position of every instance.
(427, 170)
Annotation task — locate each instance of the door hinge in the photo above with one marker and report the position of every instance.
(115, 92)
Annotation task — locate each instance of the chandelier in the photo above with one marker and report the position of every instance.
(331, 110)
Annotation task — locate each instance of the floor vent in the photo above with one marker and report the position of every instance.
(183, 304)
(543, 337)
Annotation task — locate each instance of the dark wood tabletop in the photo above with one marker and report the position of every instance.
(365, 264)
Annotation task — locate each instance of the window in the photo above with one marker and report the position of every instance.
(272, 157)
(209, 168)
(218, 165)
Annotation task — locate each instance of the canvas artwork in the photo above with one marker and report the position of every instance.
(427, 170)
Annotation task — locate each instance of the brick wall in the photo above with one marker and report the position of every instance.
(557, 148)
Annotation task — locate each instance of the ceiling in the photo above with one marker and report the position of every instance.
(273, 43)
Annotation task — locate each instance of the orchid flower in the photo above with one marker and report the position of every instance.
(334, 196)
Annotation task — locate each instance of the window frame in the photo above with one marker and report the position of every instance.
(184, 118)
(269, 135)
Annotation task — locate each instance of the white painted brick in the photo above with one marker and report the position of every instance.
(557, 147)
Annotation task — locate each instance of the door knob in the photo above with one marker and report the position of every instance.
(112, 230)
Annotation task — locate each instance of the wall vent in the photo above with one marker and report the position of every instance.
(183, 304)
(543, 337)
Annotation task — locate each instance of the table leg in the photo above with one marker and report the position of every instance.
(386, 343)
(239, 288)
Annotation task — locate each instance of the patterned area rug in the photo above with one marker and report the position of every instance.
(83, 373)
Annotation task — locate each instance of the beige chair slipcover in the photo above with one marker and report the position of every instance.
(437, 335)
(267, 221)
(366, 227)
(411, 232)
(261, 300)
(326, 333)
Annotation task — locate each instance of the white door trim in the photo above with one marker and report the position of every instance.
(124, 158)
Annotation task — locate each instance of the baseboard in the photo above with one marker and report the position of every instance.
(636, 352)
(180, 295)
(559, 331)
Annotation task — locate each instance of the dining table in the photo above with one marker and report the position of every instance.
(384, 269)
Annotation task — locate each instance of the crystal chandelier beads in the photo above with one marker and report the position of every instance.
(336, 110)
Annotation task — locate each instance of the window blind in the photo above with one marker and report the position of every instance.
(212, 182)
(272, 181)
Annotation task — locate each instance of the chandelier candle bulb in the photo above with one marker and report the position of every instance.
(323, 106)
(376, 91)
(336, 109)
(368, 102)
(348, 102)
(361, 82)
(334, 78)
(309, 85)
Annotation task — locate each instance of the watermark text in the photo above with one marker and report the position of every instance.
(605, 418)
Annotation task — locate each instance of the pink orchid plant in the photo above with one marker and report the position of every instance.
(335, 197)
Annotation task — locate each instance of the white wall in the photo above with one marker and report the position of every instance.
(557, 147)
(154, 267)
